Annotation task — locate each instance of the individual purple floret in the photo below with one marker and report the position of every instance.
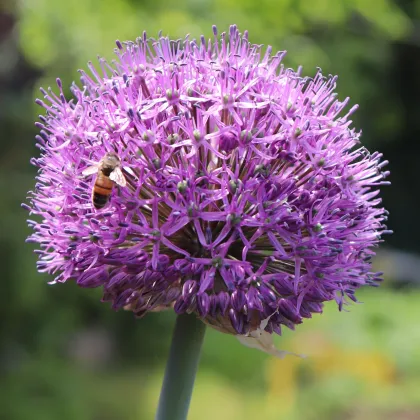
(248, 196)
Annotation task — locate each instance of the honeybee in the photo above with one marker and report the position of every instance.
(109, 172)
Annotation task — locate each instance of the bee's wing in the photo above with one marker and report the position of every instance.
(129, 170)
(118, 177)
(90, 170)
(262, 340)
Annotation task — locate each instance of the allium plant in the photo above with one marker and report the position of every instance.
(249, 199)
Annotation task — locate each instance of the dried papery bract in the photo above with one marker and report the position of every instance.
(248, 196)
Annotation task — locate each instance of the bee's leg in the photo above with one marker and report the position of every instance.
(118, 188)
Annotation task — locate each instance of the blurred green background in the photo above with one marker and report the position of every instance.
(64, 355)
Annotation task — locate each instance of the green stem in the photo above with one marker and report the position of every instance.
(181, 368)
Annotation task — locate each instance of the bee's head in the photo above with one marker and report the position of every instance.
(111, 160)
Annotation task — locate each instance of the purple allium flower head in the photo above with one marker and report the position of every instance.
(248, 196)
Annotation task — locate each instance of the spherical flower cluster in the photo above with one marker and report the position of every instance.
(247, 197)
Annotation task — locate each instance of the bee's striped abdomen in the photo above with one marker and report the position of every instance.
(101, 191)
(99, 200)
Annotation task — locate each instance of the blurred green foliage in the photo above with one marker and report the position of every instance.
(359, 365)
(64, 355)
